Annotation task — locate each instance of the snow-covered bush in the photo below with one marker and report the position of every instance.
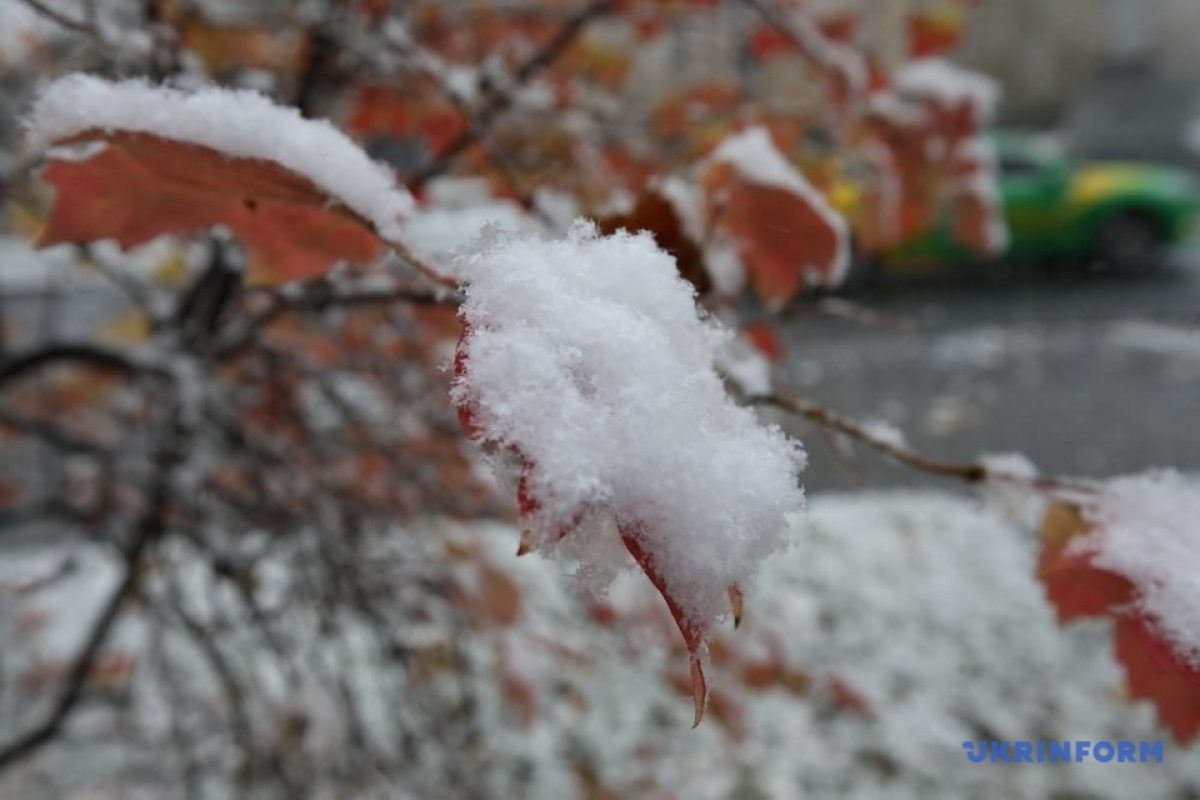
(316, 365)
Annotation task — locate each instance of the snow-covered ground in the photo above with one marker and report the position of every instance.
(900, 625)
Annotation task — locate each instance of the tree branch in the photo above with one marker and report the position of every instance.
(320, 294)
(969, 472)
(808, 39)
(500, 102)
(148, 530)
(58, 18)
(82, 353)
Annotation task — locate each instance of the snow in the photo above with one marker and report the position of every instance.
(745, 367)
(588, 355)
(981, 183)
(938, 80)
(889, 594)
(754, 155)
(1009, 466)
(895, 110)
(1173, 341)
(725, 266)
(440, 233)
(22, 30)
(238, 123)
(687, 201)
(1147, 528)
(757, 160)
(885, 433)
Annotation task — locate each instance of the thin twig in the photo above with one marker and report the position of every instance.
(970, 472)
(841, 308)
(500, 102)
(150, 527)
(808, 39)
(61, 19)
(321, 294)
(82, 353)
(431, 66)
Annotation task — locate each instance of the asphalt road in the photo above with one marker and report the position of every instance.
(1094, 375)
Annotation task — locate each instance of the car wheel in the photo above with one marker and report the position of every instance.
(1130, 242)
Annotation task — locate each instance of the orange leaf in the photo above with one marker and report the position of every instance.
(420, 111)
(782, 236)
(1075, 587)
(140, 186)
(693, 633)
(1153, 672)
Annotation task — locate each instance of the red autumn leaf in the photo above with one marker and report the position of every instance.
(784, 239)
(632, 533)
(693, 634)
(141, 186)
(466, 415)
(1153, 672)
(421, 111)
(527, 504)
(1075, 587)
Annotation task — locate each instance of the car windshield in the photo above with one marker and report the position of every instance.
(1026, 154)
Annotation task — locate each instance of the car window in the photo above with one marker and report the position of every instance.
(1018, 164)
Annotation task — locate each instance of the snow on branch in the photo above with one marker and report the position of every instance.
(237, 123)
(587, 356)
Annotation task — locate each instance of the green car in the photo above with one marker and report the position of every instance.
(1127, 216)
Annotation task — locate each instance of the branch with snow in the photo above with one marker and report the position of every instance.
(891, 443)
